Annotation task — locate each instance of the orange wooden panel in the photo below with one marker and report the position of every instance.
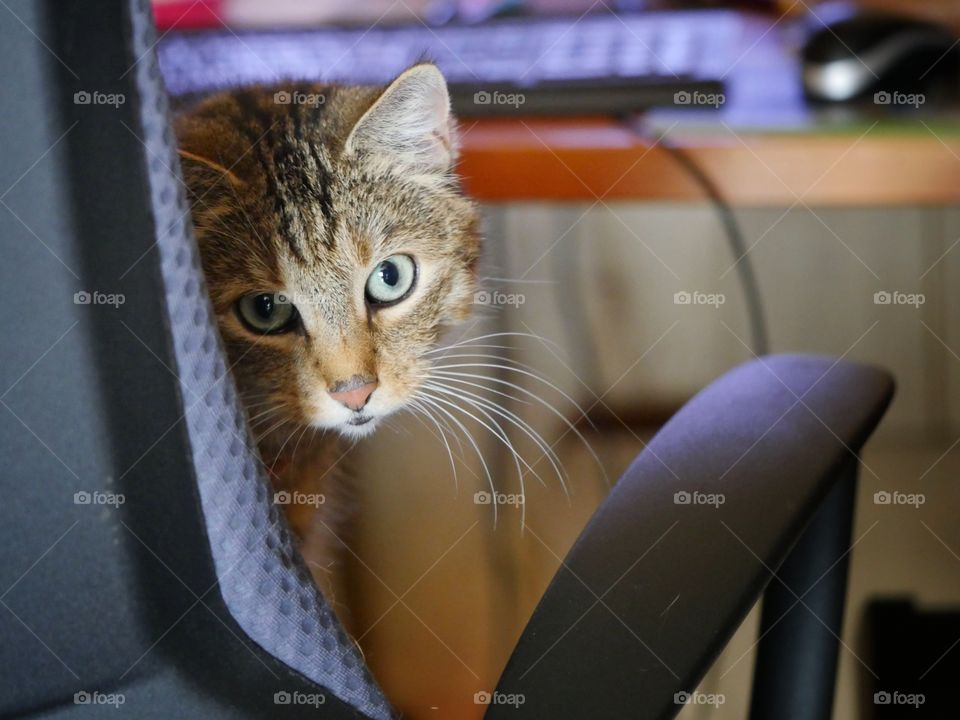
(595, 158)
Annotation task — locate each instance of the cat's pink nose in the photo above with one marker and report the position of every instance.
(353, 393)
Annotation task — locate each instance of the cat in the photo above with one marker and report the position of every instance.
(337, 245)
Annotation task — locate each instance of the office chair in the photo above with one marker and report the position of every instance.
(141, 554)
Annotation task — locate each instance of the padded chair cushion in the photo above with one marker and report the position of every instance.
(263, 581)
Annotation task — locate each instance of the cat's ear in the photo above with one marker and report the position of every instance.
(410, 121)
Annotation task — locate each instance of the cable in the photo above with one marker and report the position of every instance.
(570, 292)
(738, 246)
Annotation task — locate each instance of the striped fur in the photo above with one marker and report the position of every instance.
(306, 198)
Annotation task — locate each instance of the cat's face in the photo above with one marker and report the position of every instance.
(335, 242)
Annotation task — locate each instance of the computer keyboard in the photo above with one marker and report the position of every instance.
(596, 64)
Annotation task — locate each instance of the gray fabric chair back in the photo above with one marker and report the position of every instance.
(134, 399)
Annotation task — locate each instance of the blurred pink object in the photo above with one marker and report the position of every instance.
(192, 14)
(183, 14)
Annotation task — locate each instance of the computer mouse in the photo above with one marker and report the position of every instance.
(871, 52)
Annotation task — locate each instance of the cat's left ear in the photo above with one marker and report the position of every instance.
(410, 121)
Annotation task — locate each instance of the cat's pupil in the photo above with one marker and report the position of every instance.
(264, 306)
(389, 273)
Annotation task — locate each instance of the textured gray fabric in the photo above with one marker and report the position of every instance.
(263, 580)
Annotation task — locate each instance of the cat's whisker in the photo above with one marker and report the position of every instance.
(516, 420)
(517, 457)
(254, 397)
(283, 446)
(450, 374)
(468, 346)
(416, 410)
(490, 356)
(432, 403)
(273, 429)
(502, 436)
(303, 432)
(492, 335)
(485, 388)
(528, 373)
(449, 367)
(264, 417)
(256, 405)
(446, 425)
(479, 402)
(270, 408)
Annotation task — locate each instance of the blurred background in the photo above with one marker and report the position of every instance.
(668, 190)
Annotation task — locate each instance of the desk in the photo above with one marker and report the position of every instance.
(580, 159)
(764, 147)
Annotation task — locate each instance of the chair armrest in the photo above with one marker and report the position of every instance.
(677, 554)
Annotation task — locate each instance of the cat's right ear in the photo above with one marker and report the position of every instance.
(410, 122)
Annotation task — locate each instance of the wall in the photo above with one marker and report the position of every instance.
(598, 287)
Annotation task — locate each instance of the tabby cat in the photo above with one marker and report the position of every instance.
(337, 244)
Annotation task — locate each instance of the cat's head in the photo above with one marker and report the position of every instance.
(335, 241)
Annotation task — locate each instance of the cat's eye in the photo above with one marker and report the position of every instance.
(267, 313)
(391, 281)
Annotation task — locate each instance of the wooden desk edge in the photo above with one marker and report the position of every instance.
(599, 159)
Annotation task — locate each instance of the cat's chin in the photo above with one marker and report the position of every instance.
(355, 431)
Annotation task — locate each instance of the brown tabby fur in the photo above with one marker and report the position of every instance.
(283, 200)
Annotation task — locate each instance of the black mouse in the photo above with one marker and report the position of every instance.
(873, 53)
